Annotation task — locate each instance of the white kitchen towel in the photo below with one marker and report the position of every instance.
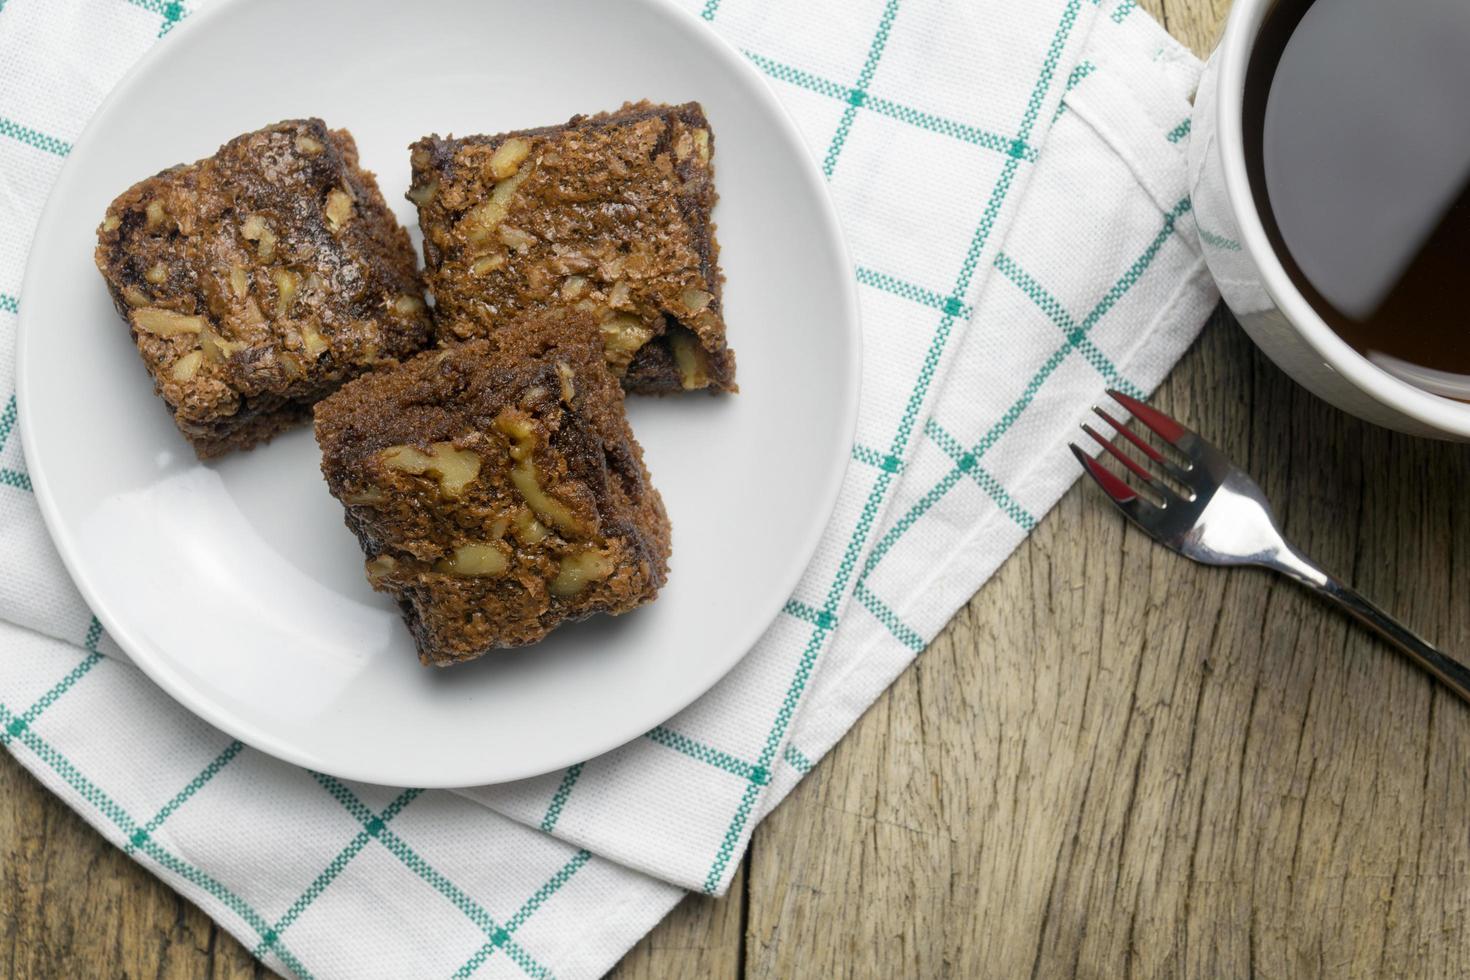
(1011, 180)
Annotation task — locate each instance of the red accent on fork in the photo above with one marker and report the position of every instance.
(1112, 485)
(1118, 454)
(1128, 434)
(1167, 428)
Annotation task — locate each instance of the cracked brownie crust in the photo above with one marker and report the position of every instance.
(608, 215)
(260, 279)
(496, 489)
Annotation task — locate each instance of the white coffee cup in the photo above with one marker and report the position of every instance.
(1252, 279)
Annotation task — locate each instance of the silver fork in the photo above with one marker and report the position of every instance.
(1225, 520)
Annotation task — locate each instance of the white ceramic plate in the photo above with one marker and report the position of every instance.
(235, 585)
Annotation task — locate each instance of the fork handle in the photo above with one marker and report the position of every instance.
(1450, 672)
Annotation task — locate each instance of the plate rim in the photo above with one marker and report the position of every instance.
(155, 666)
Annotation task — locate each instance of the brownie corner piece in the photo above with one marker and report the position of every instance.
(256, 281)
(608, 215)
(496, 490)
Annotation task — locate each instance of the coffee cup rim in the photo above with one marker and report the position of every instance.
(1434, 411)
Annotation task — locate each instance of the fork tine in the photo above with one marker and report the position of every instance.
(1166, 428)
(1158, 458)
(1159, 489)
(1128, 501)
(1117, 453)
(1113, 486)
(1131, 436)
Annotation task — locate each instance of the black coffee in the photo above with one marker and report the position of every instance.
(1357, 140)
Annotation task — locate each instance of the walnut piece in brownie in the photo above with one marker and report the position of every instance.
(496, 489)
(258, 280)
(608, 214)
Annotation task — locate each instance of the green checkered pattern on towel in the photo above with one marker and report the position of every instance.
(1010, 264)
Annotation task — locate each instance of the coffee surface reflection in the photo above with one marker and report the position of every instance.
(1359, 160)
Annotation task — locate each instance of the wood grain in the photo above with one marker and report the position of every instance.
(1116, 763)
(1112, 763)
(71, 905)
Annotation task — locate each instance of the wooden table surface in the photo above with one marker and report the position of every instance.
(1112, 763)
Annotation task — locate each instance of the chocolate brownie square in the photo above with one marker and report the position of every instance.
(496, 489)
(258, 280)
(607, 214)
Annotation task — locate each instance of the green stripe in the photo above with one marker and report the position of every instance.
(215, 888)
(797, 77)
(1028, 394)
(105, 805)
(1179, 132)
(171, 12)
(1048, 68)
(941, 334)
(344, 796)
(272, 936)
(523, 959)
(845, 568)
(33, 137)
(1044, 300)
(948, 127)
(987, 221)
(9, 303)
(1052, 307)
(711, 7)
(881, 485)
(859, 92)
(816, 617)
(887, 107)
(888, 618)
(7, 421)
(335, 867)
(183, 795)
(1139, 266)
(986, 481)
(1124, 9)
(682, 743)
(726, 849)
(9, 477)
(473, 963)
(399, 804)
(50, 697)
(552, 886)
(872, 457)
(14, 728)
(796, 760)
(1218, 241)
(16, 479)
(880, 41)
(376, 827)
(952, 305)
(919, 508)
(559, 799)
(17, 725)
(1080, 71)
(497, 936)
